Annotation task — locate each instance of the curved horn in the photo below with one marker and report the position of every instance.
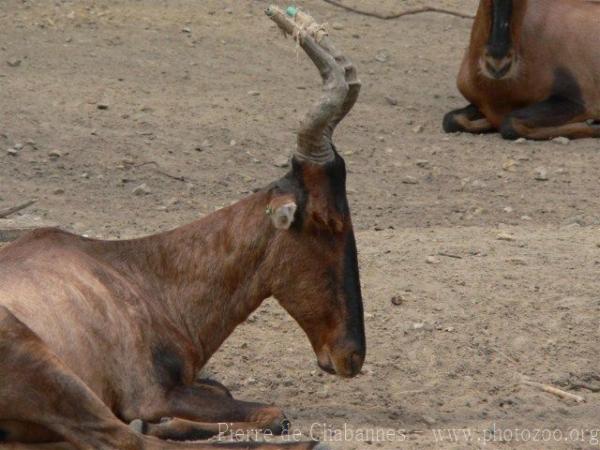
(340, 84)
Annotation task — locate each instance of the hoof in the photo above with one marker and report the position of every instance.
(280, 427)
(508, 131)
(138, 426)
(450, 125)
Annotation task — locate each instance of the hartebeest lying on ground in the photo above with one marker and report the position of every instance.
(532, 70)
(96, 334)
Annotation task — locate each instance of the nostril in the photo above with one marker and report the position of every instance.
(356, 362)
(498, 63)
(498, 68)
(327, 368)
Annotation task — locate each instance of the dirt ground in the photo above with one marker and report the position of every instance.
(207, 91)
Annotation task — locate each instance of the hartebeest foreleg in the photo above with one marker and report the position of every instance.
(207, 408)
(468, 119)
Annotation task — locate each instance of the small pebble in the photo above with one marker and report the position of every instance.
(503, 236)
(281, 161)
(142, 189)
(397, 300)
(429, 420)
(509, 165)
(410, 180)
(12, 152)
(203, 146)
(54, 154)
(393, 101)
(541, 174)
(561, 140)
(382, 57)
(432, 260)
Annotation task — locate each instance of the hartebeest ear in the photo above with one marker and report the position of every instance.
(283, 216)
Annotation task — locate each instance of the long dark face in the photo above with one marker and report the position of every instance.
(313, 262)
(499, 57)
(317, 280)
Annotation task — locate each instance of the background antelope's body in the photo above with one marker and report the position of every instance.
(94, 333)
(551, 86)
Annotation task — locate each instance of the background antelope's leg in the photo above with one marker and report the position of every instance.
(35, 386)
(468, 119)
(571, 130)
(551, 118)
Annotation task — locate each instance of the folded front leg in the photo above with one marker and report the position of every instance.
(207, 408)
(469, 119)
(553, 117)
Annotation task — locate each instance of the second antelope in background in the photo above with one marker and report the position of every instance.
(532, 70)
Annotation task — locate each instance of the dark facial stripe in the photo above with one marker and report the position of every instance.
(499, 42)
(351, 283)
(336, 173)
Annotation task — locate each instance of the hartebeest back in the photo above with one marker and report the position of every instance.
(532, 70)
(95, 334)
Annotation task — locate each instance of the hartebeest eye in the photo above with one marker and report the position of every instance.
(283, 216)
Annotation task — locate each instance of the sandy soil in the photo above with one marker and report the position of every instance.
(209, 92)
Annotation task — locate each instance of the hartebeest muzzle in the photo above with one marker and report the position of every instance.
(499, 57)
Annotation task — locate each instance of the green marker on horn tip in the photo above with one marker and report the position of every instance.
(291, 11)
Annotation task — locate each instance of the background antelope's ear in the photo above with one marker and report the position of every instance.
(283, 216)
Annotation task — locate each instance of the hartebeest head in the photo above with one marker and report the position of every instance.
(316, 277)
(498, 22)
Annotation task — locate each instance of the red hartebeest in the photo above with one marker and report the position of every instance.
(95, 334)
(532, 70)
